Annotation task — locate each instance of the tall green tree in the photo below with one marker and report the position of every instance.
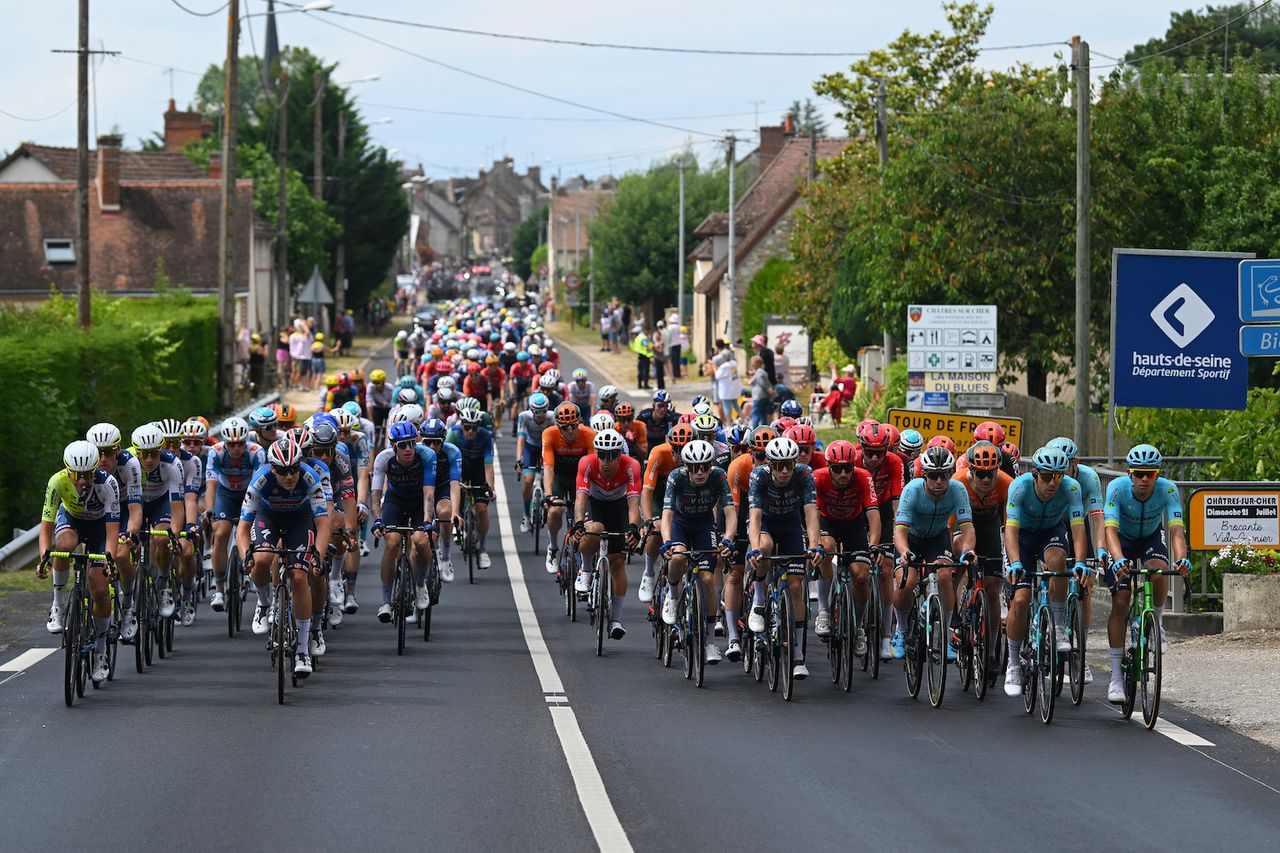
(1207, 35)
(527, 238)
(806, 118)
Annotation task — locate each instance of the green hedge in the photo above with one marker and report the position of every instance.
(142, 360)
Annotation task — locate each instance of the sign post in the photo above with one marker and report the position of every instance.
(1221, 515)
(948, 342)
(794, 338)
(572, 291)
(959, 427)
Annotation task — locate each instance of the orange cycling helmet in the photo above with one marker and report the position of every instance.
(942, 441)
(567, 414)
(842, 453)
(357, 376)
(285, 414)
(989, 431)
(545, 366)
(984, 456)
(680, 435)
(760, 438)
(623, 410)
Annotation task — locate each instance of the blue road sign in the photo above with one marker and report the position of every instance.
(1260, 291)
(1260, 341)
(1176, 340)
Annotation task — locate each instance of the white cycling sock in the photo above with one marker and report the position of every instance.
(731, 624)
(1059, 612)
(1116, 654)
(904, 619)
(102, 626)
(824, 594)
(648, 565)
(264, 596)
(304, 635)
(757, 599)
(60, 592)
(1015, 649)
(616, 605)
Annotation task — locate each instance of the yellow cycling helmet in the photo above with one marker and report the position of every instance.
(331, 381)
(377, 377)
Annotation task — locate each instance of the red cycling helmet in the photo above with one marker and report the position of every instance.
(989, 431)
(842, 453)
(942, 441)
(545, 366)
(894, 435)
(802, 435)
(862, 427)
(782, 424)
(1011, 452)
(472, 367)
(874, 437)
(686, 418)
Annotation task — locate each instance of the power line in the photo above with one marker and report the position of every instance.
(1191, 40)
(325, 20)
(159, 65)
(69, 105)
(551, 118)
(199, 14)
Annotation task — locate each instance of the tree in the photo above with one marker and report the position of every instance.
(806, 118)
(1204, 36)
(211, 91)
(527, 238)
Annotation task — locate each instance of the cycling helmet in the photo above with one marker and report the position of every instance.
(989, 431)
(608, 440)
(580, 374)
(737, 435)
(1050, 459)
(782, 449)
(446, 396)
(406, 382)
(81, 456)
(402, 431)
(377, 376)
(331, 380)
(942, 441)
(473, 354)
(344, 379)
(234, 429)
(702, 407)
(401, 335)
(783, 424)
(874, 437)
(302, 436)
(285, 413)
(894, 435)
(698, 399)
(546, 367)
(791, 408)
(602, 421)
(805, 419)
(323, 435)
(802, 435)
(841, 453)
(104, 435)
(407, 395)
(680, 435)
(706, 423)
(547, 382)
(491, 360)
(194, 429)
(608, 392)
(509, 346)
(346, 420)
(862, 427)
(432, 428)
(445, 382)
(471, 417)
(284, 453)
(534, 350)
(466, 404)
(698, 453)
(910, 440)
(539, 402)
(170, 428)
(1144, 456)
(1066, 445)
(412, 413)
(555, 375)
(984, 456)
(472, 367)
(147, 437)
(567, 414)
(624, 410)
(760, 438)
(661, 396)
(522, 356)
(353, 407)
(937, 459)
(548, 343)
(494, 337)
(1011, 452)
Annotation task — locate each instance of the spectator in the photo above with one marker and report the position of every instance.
(849, 380)
(346, 332)
(759, 344)
(318, 353)
(761, 392)
(671, 338)
(299, 355)
(257, 360)
(282, 358)
(660, 356)
(643, 348)
(620, 318)
(781, 365)
(727, 387)
(606, 330)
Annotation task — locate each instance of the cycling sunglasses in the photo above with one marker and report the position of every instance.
(287, 471)
(233, 443)
(469, 427)
(984, 475)
(193, 442)
(148, 454)
(1144, 473)
(937, 475)
(785, 465)
(405, 444)
(841, 469)
(608, 455)
(108, 451)
(1048, 476)
(700, 468)
(869, 451)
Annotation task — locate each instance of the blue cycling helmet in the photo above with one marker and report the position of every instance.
(401, 430)
(522, 356)
(406, 382)
(432, 428)
(1050, 459)
(539, 402)
(323, 418)
(495, 337)
(661, 396)
(353, 407)
(1066, 445)
(737, 435)
(791, 409)
(263, 418)
(699, 398)
(1144, 456)
(910, 440)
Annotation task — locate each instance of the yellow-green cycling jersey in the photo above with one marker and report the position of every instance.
(98, 500)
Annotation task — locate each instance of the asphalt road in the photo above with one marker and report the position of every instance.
(456, 746)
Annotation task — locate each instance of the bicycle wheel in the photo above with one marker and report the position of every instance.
(402, 599)
(915, 647)
(978, 643)
(684, 619)
(473, 557)
(569, 568)
(835, 646)
(936, 630)
(433, 596)
(772, 648)
(1027, 660)
(657, 626)
(1047, 664)
(113, 635)
(787, 636)
(698, 623)
(168, 631)
(232, 596)
(71, 644)
(850, 608)
(146, 621)
(140, 613)
(279, 652)
(964, 648)
(601, 603)
(1078, 635)
(1151, 665)
(874, 631)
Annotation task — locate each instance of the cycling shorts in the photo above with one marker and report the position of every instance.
(936, 547)
(157, 511)
(788, 538)
(530, 459)
(1035, 544)
(850, 534)
(290, 531)
(614, 515)
(91, 531)
(988, 542)
(226, 505)
(401, 512)
(1144, 550)
(564, 487)
(696, 534)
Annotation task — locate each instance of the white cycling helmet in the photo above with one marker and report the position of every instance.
(702, 407)
(148, 437)
(284, 453)
(554, 374)
(608, 392)
(940, 460)
(445, 395)
(471, 416)
(548, 343)
(412, 413)
(609, 440)
(445, 382)
(170, 428)
(782, 449)
(698, 452)
(235, 429)
(602, 421)
(81, 456)
(407, 395)
(548, 381)
(194, 429)
(468, 403)
(346, 420)
(104, 435)
(509, 346)
(534, 350)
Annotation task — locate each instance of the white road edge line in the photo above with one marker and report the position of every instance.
(27, 659)
(599, 811)
(1176, 733)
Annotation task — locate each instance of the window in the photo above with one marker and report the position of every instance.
(59, 252)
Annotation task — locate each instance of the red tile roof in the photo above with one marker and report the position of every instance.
(134, 165)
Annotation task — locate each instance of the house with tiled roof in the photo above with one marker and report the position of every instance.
(153, 215)
(764, 217)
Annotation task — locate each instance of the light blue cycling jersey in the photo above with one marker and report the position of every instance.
(1135, 519)
(231, 474)
(1026, 510)
(529, 427)
(1090, 489)
(925, 517)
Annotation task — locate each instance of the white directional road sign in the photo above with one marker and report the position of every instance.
(951, 338)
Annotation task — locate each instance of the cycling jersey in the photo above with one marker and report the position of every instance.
(358, 449)
(848, 503)
(396, 477)
(192, 472)
(164, 480)
(379, 396)
(496, 378)
(592, 481)
(991, 508)
(528, 426)
(924, 517)
(656, 427)
(692, 502)
(100, 499)
(1090, 489)
(326, 479)
(1135, 519)
(128, 476)
(888, 478)
(662, 461)
(477, 451)
(782, 504)
(448, 467)
(522, 374)
(1024, 509)
(265, 495)
(234, 474)
(562, 455)
(581, 394)
(341, 478)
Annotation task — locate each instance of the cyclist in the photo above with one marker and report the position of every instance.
(637, 436)
(192, 480)
(263, 427)
(581, 391)
(495, 379)
(1041, 506)
(563, 446)
(1137, 507)
(607, 400)
(406, 472)
(519, 381)
(921, 532)
(988, 489)
(473, 404)
(284, 507)
(658, 419)
(664, 459)
(448, 473)
(81, 504)
(1012, 458)
(784, 512)
(549, 384)
(849, 518)
(402, 352)
(475, 442)
(323, 439)
(340, 395)
(805, 438)
(232, 463)
(885, 468)
(1094, 504)
(124, 467)
(531, 423)
(608, 501)
(163, 507)
(739, 475)
(910, 446)
(696, 492)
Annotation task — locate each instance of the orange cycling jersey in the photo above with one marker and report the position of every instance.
(740, 478)
(662, 461)
(990, 508)
(562, 456)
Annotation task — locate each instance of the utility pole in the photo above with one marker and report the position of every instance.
(680, 259)
(591, 283)
(340, 255)
(281, 307)
(1080, 64)
(577, 240)
(317, 140)
(731, 327)
(82, 168)
(226, 273)
(882, 144)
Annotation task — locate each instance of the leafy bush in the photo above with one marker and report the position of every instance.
(827, 351)
(1247, 560)
(766, 295)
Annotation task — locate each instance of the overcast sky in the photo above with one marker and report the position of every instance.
(707, 94)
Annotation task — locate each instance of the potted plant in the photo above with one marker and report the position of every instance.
(1250, 587)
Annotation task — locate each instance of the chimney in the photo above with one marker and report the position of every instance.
(181, 128)
(535, 175)
(772, 139)
(109, 171)
(215, 166)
